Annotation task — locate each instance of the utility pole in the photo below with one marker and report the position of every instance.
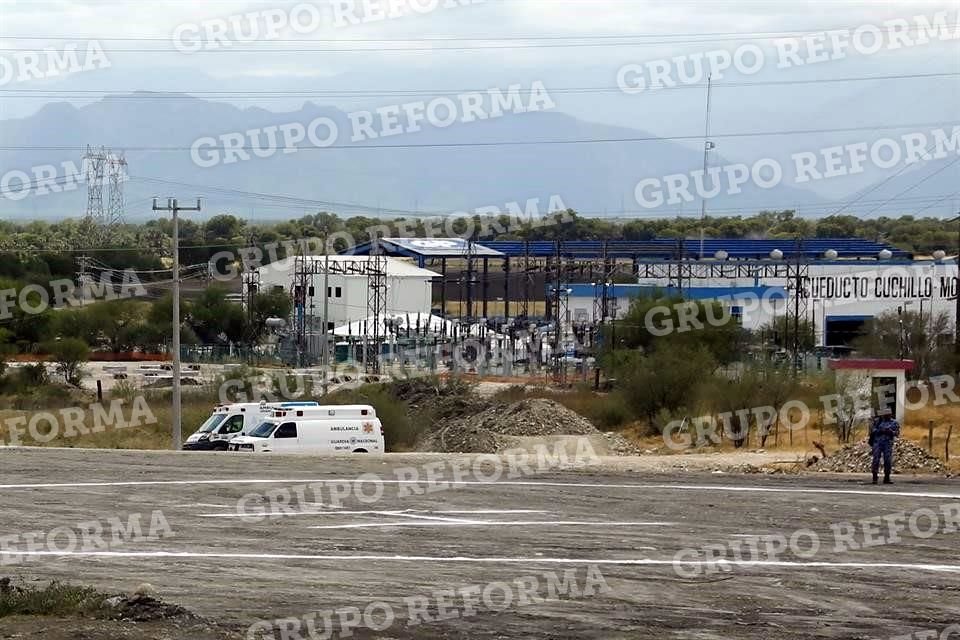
(707, 146)
(326, 323)
(175, 208)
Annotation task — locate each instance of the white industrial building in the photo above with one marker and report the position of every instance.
(409, 288)
(838, 296)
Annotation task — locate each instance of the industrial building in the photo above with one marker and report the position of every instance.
(837, 283)
(408, 287)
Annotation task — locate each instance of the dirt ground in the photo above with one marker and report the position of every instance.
(626, 518)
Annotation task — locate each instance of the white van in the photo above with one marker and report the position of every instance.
(314, 434)
(231, 420)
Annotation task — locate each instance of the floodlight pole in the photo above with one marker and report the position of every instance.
(174, 208)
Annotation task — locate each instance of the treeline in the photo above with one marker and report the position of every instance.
(140, 325)
(35, 251)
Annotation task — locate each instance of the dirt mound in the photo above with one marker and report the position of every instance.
(493, 429)
(142, 608)
(462, 438)
(619, 445)
(533, 417)
(857, 458)
(443, 400)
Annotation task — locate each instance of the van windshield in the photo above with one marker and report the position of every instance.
(263, 430)
(212, 423)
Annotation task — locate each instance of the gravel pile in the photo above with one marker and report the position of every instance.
(461, 438)
(493, 429)
(620, 446)
(532, 417)
(443, 400)
(857, 458)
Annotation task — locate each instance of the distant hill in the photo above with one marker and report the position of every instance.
(597, 178)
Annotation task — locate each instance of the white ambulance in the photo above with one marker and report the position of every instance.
(231, 420)
(316, 430)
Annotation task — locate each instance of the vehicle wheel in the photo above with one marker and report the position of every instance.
(219, 446)
(360, 451)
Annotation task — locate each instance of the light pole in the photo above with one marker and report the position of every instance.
(174, 208)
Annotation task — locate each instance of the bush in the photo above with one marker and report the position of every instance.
(55, 599)
(399, 430)
(69, 354)
(612, 411)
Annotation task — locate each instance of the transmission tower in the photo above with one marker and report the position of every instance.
(376, 300)
(94, 162)
(117, 171)
(100, 162)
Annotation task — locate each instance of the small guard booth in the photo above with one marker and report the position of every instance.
(866, 375)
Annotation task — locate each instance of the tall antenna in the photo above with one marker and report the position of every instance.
(707, 146)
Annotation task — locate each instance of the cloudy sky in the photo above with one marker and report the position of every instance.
(578, 48)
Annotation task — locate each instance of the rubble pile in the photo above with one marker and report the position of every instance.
(533, 417)
(461, 438)
(908, 457)
(620, 446)
(495, 429)
(444, 400)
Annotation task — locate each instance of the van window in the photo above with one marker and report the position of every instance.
(211, 423)
(264, 430)
(286, 430)
(233, 425)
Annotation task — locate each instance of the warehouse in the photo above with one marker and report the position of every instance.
(408, 287)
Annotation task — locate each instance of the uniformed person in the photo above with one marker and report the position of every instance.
(883, 433)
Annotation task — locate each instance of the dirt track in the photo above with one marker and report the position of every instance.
(229, 571)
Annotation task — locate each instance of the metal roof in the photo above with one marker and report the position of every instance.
(673, 248)
(655, 249)
(427, 248)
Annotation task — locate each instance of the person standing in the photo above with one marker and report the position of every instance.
(883, 434)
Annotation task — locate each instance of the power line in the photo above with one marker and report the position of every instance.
(917, 184)
(255, 95)
(511, 143)
(539, 41)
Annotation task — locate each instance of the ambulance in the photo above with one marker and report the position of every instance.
(331, 429)
(231, 420)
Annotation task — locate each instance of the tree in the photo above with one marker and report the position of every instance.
(665, 379)
(117, 321)
(656, 322)
(215, 319)
(69, 354)
(270, 304)
(781, 330)
(912, 336)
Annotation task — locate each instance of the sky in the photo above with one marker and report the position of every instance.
(579, 48)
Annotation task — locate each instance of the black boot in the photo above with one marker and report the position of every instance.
(887, 480)
(875, 479)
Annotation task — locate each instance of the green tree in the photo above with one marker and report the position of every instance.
(215, 319)
(925, 339)
(117, 321)
(69, 354)
(669, 321)
(667, 379)
(269, 304)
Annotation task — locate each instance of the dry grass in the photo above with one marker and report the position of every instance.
(149, 434)
(801, 441)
